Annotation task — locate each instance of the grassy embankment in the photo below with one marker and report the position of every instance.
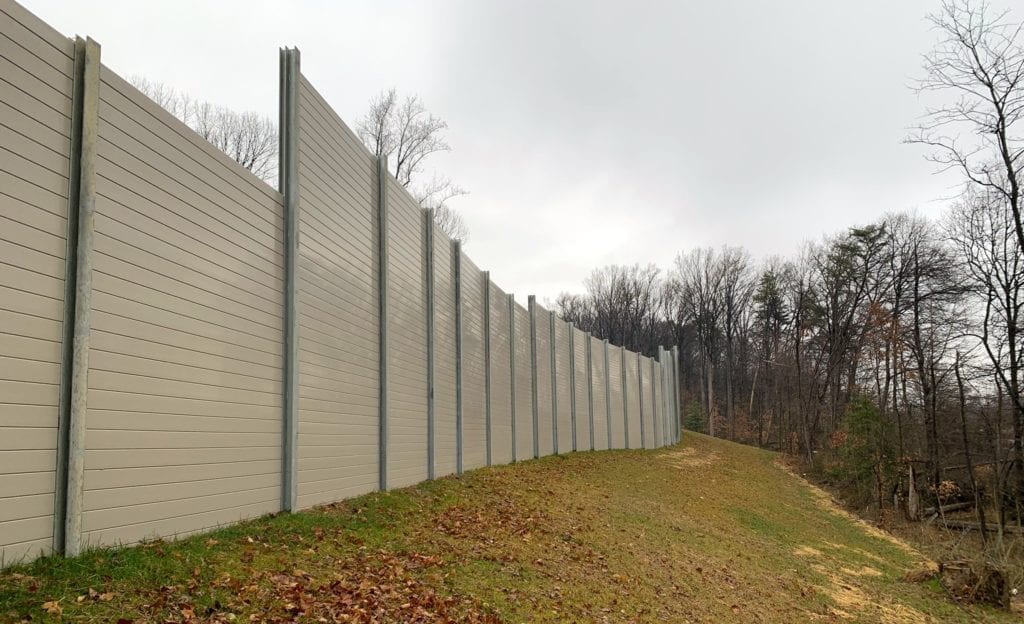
(707, 531)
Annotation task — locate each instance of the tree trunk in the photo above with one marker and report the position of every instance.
(967, 452)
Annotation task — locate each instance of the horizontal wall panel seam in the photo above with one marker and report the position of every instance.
(171, 124)
(173, 206)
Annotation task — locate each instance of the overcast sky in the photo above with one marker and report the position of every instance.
(588, 133)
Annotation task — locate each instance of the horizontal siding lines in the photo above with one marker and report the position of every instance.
(53, 144)
(168, 125)
(110, 519)
(130, 495)
(21, 53)
(331, 188)
(176, 345)
(28, 393)
(330, 305)
(121, 381)
(41, 309)
(22, 221)
(184, 225)
(148, 271)
(202, 258)
(353, 298)
(29, 438)
(318, 367)
(330, 119)
(344, 176)
(334, 161)
(107, 285)
(346, 245)
(151, 186)
(26, 173)
(115, 398)
(44, 39)
(32, 153)
(144, 422)
(158, 368)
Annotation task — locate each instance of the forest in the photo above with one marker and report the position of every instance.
(887, 357)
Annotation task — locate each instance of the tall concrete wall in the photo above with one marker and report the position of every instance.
(206, 348)
(36, 85)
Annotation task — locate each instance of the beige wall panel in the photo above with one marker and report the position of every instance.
(474, 417)
(176, 518)
(524, 386)
(659, 414)
(185, 370)
(633, 398)
(445, 425)
(582, 392)
(615, 373)
(407, 370)
(600, 400)
(501, 378)
(338, 308)
(545, 423)
(563, 364)
(35, 111)
(650, 435)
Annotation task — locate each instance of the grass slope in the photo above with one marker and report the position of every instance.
(707, 531)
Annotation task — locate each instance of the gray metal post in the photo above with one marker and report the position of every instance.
(512, 366)
(554, 382)
(608, 394)
(288, 178)
(532, 308)
(590, 387)
(383, 297)
(572, 381)
(431, 269)
(625, 398)
(459, 437)
(487, 364)
(640, 394)
(75, 369)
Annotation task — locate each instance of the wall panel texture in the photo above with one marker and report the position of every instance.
(36, 81)
(563, 385)
(648, 402)
(184, 379)
(407, 345)
(545, 424)
(660, 422)
(445, 417)
(600, 395)
(618, 408)
(501, 378)
(524, 386)
(633, 398)
(338, 349)
(184, 400)
(474, 430)
(582, 391)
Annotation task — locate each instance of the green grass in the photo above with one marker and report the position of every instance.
(704, 531)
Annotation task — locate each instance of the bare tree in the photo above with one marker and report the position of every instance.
(247, 137)
(979, 59)
(983, 229)
(407, 134)
(696, 287)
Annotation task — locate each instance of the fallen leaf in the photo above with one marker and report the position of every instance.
(53, 607)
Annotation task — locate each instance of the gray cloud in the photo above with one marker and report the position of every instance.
(589, 133)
